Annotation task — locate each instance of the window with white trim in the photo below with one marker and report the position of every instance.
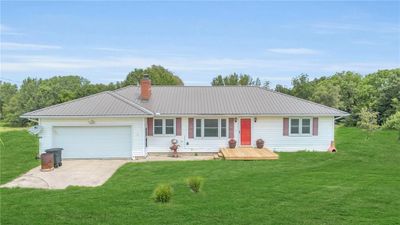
(158, 126)
(164, 126)
(223, 127)
(198, 127)
(300, 126)
(210, 128)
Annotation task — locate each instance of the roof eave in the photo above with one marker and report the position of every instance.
(84, 116)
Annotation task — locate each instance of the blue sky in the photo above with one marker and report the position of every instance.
(275, 41)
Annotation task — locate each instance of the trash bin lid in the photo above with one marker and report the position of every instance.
(54, 149)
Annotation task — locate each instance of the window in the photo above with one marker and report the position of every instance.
(223, 127)
(169, 126)
(294, 127)
(198, 127)
(164, 126)
(306, 126)
(300, 126)
(211, 128)
(158, 126)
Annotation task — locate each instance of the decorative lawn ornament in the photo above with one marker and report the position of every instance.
(332, 147)
(232, 143)
(260, 143)
(174, 147)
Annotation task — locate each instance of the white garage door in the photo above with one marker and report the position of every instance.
(93, 142)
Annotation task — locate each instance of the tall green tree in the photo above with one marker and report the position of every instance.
(236, 79)
(302, 87)
(282, 89)
(158, 75)
(39, 93)
(327, 93)
(7, 91)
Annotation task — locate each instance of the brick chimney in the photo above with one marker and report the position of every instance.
(145, 88)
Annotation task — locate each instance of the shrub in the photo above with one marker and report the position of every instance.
(163, 193)
(195, 183)
(393, 122)
(368, 121)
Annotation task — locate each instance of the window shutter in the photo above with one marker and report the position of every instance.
(178, 126)
(191, 127)
(231, 127)
(315, 126)
(285, 126)
(149, 126)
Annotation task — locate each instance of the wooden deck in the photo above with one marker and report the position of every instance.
(248, 153)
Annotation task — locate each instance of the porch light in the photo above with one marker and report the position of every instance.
(255, 119)
(91, 122)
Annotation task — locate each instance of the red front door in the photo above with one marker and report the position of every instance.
(245, 131)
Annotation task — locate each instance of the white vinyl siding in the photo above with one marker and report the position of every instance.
(196, 144)
(270, 129)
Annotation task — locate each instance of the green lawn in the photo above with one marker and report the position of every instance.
(358, 185)
(18, 152)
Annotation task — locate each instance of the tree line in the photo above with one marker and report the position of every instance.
(374, 97)
(36, 93)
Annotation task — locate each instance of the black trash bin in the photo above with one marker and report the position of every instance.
(57, 156)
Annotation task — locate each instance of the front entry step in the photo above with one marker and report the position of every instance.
(248, 154)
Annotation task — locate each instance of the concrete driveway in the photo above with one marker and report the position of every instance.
(88, 173)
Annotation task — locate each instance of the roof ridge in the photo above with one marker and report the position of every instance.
(302, 99)
(64, 103)
(188, 86)
(127, 101)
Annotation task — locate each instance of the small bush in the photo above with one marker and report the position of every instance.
(163, 193)
(195, 183)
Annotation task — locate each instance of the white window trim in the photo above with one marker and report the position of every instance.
(219, 129)
(300, 134)
(164, 128)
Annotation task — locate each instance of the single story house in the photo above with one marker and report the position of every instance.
(135, 121)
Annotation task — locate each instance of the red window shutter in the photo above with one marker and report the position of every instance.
(178, 126)
(191, 127)
(149, 126)
(315, 126)
(231, 127)
(285, 126)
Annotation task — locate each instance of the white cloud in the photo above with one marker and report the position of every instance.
(183, 65)
(26, 46)
(5, 30)
(294, 51)
(334, 27)
(112, 49)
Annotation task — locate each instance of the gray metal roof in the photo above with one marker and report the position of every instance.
(187, 100)
(104, 104)
(224, 100)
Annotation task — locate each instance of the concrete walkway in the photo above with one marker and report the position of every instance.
(87, 173)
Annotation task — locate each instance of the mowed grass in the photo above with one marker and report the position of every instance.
(18, 150)
(358, 185)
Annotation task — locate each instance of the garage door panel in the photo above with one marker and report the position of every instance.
(93, 142)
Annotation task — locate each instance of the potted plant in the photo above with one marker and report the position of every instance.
(232, 143)
(260, 143)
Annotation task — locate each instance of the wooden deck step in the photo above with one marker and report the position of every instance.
(247, 153)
